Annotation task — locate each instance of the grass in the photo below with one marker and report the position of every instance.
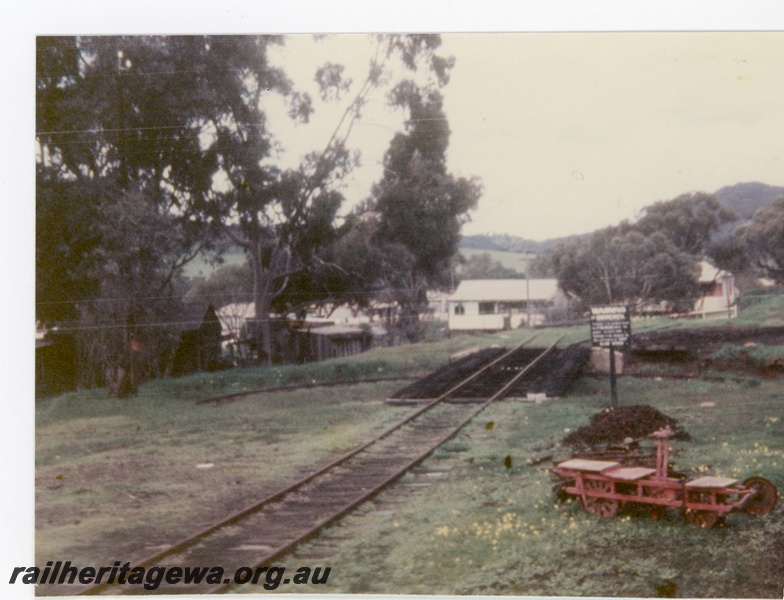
(406, 361)
(758, 356)
(117, 479)
(769, 311)
(121, 477)
(484, 528)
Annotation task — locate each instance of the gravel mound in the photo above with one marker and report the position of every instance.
(446, 377)
(614, 426)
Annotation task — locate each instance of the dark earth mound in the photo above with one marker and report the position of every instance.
(703, 341)
(614, 426)
(493, 379)
(446, 377)
(553, 375)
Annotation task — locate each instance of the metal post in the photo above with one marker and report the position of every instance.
(727, 288)
(613, 383)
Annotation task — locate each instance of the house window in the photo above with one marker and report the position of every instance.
(459, 309)
(510, 307)
(487, 308)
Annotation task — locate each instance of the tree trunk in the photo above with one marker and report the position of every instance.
(413, 303)
(263, 295)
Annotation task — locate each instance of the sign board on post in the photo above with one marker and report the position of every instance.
(611, 328)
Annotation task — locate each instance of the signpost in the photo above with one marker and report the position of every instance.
(611, 328)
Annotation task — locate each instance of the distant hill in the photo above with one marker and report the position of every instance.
(515, 252)
(744, 198)
(507, 243)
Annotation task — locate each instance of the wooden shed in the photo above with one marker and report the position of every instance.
(200, 346)
(331, 341)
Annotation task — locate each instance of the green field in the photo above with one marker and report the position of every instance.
(202, 267)
(117, 479)
(510, 260)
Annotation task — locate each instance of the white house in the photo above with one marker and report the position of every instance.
(496, 304)
(437, 306)
(718, 292)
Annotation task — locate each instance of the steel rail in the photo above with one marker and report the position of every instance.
(279, 494)
(402, 470)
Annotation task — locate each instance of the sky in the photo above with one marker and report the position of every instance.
(570, 132)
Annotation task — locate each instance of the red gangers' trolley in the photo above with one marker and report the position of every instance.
(603, 487)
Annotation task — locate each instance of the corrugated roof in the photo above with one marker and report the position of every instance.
(505, 290)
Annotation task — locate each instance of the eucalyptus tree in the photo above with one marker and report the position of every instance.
(620, 265)
(652, 260)
(138, 126)
(763, 240)
(417, 209)
(179, 124)
(689, 221)
(286, 219)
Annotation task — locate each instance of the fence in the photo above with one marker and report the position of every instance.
(755, 296)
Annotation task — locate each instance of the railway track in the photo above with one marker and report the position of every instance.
(265, 532)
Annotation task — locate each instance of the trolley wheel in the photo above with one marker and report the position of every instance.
(701, 518)
(658, 510)
(597, 506)
(764, 496)
(559, 489)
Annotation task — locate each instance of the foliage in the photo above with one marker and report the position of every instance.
(482, 266)
(131, 329)
(729, 254)
(541, 267)
(136, 108)
(413, 220)
(617, 266)
(650, 261)
(227, 284)
(689, 221)
(420, 206)
(175, 125)
(505, 243)
(763, 239)
(66, 215)
(131, 134)
(288, 217)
